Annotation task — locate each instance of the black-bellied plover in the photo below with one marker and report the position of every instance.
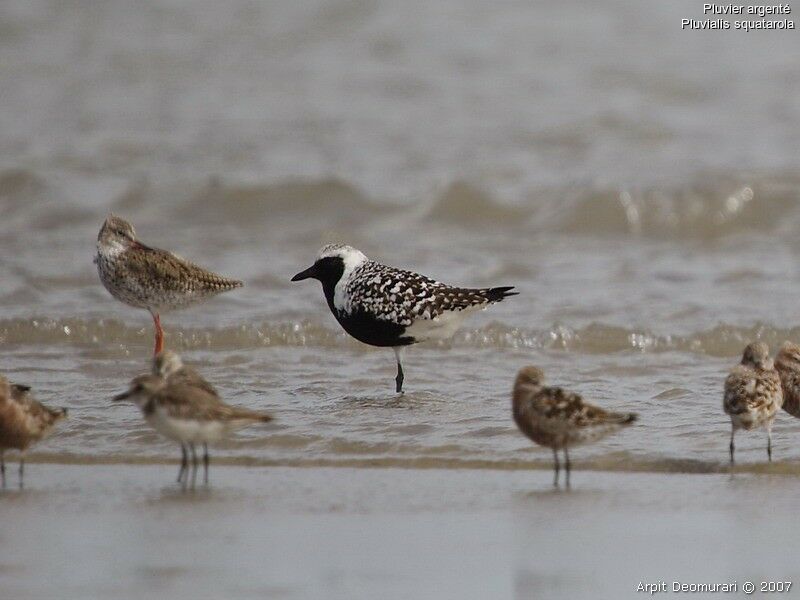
(23, 421)
(150, 278)
(558, 419)
(753, 393)
(385, 306)
(188, 414)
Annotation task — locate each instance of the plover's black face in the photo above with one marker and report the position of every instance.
(333, 261)
(116, 231)
(328, 270)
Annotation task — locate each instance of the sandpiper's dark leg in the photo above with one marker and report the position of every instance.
(206, 461)
(194, 462)
(184, 463)
(769, 443)
(556, 467)
(21, 469)
(732, 446)
(159, 333)
(568, 464)
(3, 466)
(398, 352)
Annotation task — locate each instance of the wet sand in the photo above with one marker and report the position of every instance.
(123, 531)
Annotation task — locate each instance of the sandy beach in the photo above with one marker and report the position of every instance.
(120, 531)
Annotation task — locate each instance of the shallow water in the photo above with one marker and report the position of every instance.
(644, 202)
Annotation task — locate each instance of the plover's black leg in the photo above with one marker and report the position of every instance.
(556, 467)
(568, 465)
(184, 463)
(194, 462)
(398, 352)
(769, 443)
(21, 469)
(206, 460)
(732, 446)
(3, 467)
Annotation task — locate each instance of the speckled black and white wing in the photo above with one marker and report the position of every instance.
(404, 297)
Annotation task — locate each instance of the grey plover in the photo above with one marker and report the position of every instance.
(146, 277)
(787, 363)
(558, 419)
(389, 307)
(753, 393)
(188, 414)
(23, 421)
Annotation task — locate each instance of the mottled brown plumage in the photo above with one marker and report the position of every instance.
(558, 419)
(146, 277)
(185, 410)
(787, 363)
(753, 393)
(23, 421)
(191, 403)
(168, 364)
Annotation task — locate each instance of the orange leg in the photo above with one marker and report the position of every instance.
(159, 334)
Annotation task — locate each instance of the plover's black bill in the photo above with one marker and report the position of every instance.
(309, 273)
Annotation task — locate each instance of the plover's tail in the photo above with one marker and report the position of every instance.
(497, 294)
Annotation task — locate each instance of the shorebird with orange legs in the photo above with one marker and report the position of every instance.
(146, 277)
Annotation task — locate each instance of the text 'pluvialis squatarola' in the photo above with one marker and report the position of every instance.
(753, 393)
(23, 421)
(150, 278)
(185, 408)
(558, 419)
(384, 306)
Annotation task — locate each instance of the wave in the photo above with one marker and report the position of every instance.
(721, 341)
(711, 205)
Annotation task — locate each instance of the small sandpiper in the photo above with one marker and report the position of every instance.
(787, 363)
(150, 278)
(23, 421)
(558, 419)
(753, 393)
(384, 306)
(188, 413)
